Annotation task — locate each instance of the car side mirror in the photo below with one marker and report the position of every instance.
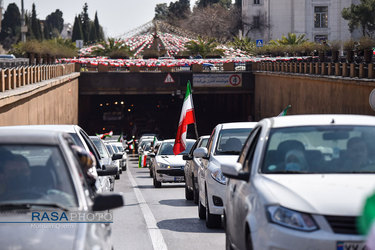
(187, 157)
(117, 156)
(201, 152)
(107, 170)
(107, 201)
(233, 171)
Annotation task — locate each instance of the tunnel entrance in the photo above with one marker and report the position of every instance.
(138, 114)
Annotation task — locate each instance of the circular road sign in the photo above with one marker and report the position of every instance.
(234, 80)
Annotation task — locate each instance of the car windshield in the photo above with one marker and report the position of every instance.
(114, 149)
(167, 148)
(320, 149)
(110, 150)
(230, 141)
(120, 148)
(100, 146)
(35, 174)
(204, 142)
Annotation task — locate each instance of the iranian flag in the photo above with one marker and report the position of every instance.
(109, 134)
(186, 118)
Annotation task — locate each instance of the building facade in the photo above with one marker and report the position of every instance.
(317, 19)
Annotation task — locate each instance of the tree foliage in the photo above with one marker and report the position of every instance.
(85, 22)
(36, 29)
(203, 47)
(213, 21)
(98, 29)
(361, 16)
(77, 30)
(10, 26)
(113, 48)
(53, 25)
(291, 39)
(206, 3)
(176, 10)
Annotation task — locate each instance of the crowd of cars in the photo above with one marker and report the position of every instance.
(290, 182)
(60, 171)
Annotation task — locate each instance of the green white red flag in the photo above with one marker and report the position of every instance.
(109, 134)
(186, 118)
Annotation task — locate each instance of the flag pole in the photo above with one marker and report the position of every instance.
(195, 119)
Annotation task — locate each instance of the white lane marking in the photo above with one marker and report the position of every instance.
(155, 233)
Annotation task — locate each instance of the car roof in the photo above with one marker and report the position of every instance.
(172, 140)
(237, 125)
(327, 119)
(67, 128)
(26, 135)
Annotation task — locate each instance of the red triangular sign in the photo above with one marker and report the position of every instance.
(169, 79)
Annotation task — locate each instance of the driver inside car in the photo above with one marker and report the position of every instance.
(15, 173)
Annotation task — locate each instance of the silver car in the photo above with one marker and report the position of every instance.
(300, 183)
(42, 188)
(191, 170)
(224, 146)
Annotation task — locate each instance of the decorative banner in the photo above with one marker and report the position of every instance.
(217, 80)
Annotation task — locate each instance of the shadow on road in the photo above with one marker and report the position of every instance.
(188, 225)
(177, 203)
(145, 186)
(144, 177)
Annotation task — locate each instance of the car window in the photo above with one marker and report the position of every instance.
(114, 149)
(203, 142)
(35, 173)
(230, 141)
(194, 147)
(210, 141)
(101, 147)
(109, 149)
(320, 149)
(250, 149)
(166, 148)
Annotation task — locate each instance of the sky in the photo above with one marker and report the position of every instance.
(116, 16)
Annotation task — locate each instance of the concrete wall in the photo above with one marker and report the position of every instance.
(49, 102)
(310, 95)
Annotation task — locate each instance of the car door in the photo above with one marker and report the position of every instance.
(202, 169)
(239, 192)
(189, 166)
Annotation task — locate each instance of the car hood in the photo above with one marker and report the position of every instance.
(333, 194)
(172, 160)
(38, 235)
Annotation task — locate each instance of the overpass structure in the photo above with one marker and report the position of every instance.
(138, 102)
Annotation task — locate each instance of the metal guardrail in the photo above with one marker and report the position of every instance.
(13, 63)
(352, 70)
(12, 78)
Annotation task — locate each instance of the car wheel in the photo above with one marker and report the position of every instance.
(157, 184)
(189, 195)
(120, 170)
(212, 220)
(151, 172)
(117, 177)
(195, 193)
(124, 168)
(201, 210)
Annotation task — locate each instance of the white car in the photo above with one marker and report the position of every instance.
(167, 166)
(300, 183)
(224, 146)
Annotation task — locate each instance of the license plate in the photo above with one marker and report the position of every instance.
(351, 245)
(178, 179)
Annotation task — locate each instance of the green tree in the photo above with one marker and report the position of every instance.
(291, 39)
(77, 30)
(93, 37)
(205, 3)
(361, 15)
(85, 20)
(10, 26)
(98, 28)
(161, 11)
(36, 30)
(238, 3)
(203, 47)
(113, 48)
(54, 24)
(243, 43)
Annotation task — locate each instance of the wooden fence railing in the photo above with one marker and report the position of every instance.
(13, 78)
(351, 70)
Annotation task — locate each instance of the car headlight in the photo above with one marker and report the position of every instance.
(218, 176)
(162, 165)
(292, 219)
